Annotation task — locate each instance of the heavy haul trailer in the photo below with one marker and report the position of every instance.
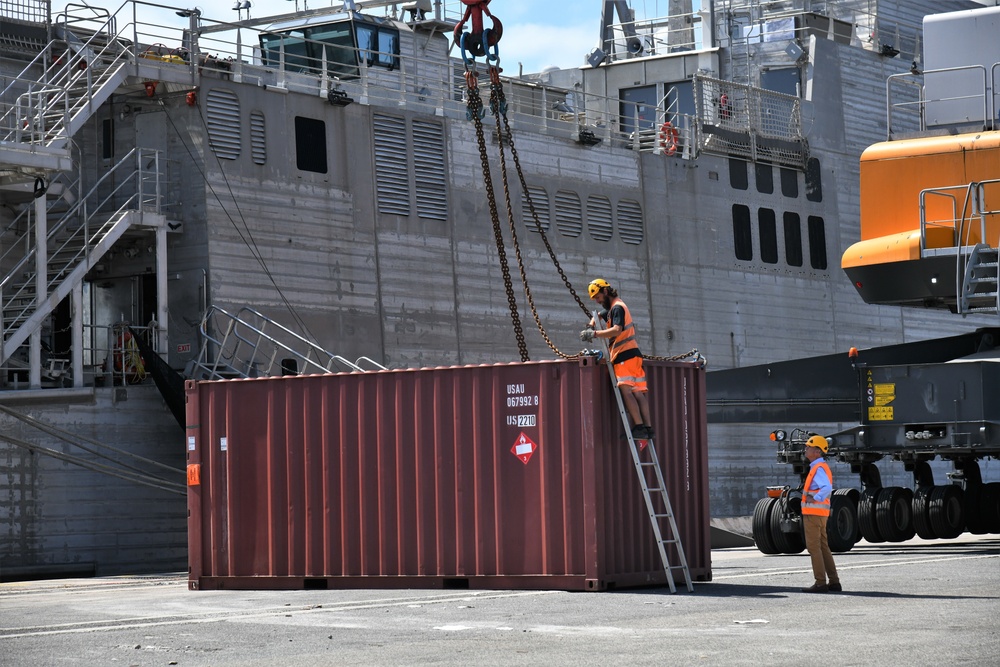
(930, 237)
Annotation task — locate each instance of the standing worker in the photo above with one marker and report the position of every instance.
(816, 495)
(626, 358)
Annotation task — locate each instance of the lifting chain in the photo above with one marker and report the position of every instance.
(475, 113)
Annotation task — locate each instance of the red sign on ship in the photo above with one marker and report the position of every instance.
(523, 448)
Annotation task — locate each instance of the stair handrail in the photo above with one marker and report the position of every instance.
(81, 208)
(229, 352)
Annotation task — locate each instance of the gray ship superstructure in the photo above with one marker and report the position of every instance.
(319, 170)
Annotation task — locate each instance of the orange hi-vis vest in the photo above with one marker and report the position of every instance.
(626, 339)
(811, 505)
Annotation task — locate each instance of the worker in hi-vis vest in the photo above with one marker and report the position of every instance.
(816, 494)
(625, 355)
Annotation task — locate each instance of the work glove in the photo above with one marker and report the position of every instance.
(587, 335)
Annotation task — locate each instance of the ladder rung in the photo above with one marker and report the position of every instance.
(647, 463)
(654, 490)
(668, 541)
(660, 516)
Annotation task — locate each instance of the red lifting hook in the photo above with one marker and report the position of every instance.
(475, 9)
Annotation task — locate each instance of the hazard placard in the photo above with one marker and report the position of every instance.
(523, 448)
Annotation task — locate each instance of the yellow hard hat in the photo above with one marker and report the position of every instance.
(819, 442)
(596, 286)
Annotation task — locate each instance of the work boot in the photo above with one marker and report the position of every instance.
(817, 588)
(649, 431)
(639, 432)
(836, 587)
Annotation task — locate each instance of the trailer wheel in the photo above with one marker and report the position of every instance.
(867, 520)
(894, 514)
(762, 526)
(786, 543)
(922, 513)
(947, 518)
(991, 507)
(842, 528)
(854, 496)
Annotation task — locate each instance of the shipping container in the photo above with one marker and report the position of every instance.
(495, 476)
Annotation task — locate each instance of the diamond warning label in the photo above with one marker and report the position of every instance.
(523, 448)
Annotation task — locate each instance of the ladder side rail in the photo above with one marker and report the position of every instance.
(637, 463)
(671, 518)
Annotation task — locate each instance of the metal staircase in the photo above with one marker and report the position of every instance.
(981, 285)
(248, 344)
(76, 78)
(128, 195)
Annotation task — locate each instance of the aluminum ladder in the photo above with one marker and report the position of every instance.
(664, 511)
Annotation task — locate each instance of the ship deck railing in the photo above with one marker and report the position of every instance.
(907, 104)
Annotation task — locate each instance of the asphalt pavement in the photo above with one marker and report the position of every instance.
(916, 603)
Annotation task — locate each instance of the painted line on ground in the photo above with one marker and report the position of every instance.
(862, 566)
(216, 617)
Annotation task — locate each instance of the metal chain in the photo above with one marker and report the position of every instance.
(498, 105)
(509, 135)
(475, 114)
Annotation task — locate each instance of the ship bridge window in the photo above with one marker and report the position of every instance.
(341, 42)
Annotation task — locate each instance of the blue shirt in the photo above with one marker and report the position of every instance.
(821, 486)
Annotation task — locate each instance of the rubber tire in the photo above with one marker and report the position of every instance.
(786, 543)
(991, 507)
(947, 516)
(854, 496)
(842, 527)
(762, 526)
(922, 513)
(867, 522)
(894, 513)
(975, 511)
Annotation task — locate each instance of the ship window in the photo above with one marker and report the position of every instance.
(768, 229)
(392, 165)
(222, 117)
(793, 239)
(379, 45)
(293, 42)
(738, 174)
(782, 80)
(764, 175)
(638, 105)
(568, 214)
(789, 182)
(814, 184)
(338, 42)
(310, 144)
(428, 170)
(630, 228)
(817, 243)
(108, 138)
(258, 145)
(540, 202)
(599, 221)
(742, 236)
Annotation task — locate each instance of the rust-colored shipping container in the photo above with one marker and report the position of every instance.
(502, 476)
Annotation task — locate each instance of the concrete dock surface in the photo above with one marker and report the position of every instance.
(915, 603)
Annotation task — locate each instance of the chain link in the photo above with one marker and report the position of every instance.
(476, 113)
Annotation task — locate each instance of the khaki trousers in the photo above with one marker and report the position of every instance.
(819, 549)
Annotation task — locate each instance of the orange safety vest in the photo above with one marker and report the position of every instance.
(626, 339)
(813, 506)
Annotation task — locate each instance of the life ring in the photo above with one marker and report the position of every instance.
(127, 360)
(668, 138)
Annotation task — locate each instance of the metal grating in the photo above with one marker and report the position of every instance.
(569, 214)
(540, 201)
(392, 165)
(630, 227)
(258, 143)
(599, 218)
(222, 109)
(428, 170)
